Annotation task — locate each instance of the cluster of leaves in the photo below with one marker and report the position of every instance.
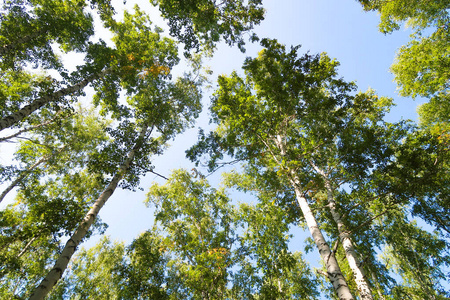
(203, 23)
(201, 247)
(291, 120)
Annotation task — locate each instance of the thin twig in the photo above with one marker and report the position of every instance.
(223, 165)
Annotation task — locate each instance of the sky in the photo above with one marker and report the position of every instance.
(339, 28)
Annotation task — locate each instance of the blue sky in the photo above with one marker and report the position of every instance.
(340, 28)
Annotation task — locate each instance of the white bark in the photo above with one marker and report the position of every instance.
(25, 173)
(61, 263)
(20, 177)
(27, 110)
(333, 271)
(350, 253)
(30, 128)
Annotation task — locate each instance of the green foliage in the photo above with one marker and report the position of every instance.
(200, 232)
(421, 66)
(291, 115)
(18, 85)
(28, 28)
(418, 14)
(92, 275)
(203, 23)
(51, 199)
(201, 247)
(418, 256)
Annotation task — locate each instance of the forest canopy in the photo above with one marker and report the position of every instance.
(302, 186)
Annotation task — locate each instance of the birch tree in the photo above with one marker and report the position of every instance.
(293, 116)
(255, 122)
(50, 199)
(420, 66)
(161, 109)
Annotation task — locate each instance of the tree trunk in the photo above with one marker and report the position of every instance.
(333, 271)
(61, 263)
(27, 110)
(350, 253)
(25, 173)
(26, 247)
(379, 290)
(32, 127)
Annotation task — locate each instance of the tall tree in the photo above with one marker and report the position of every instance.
(50, 201)
(291, 116)
(160, 109)
(286, 115)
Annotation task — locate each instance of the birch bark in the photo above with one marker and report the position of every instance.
(334, 273)
(350, 253)
(25, 173)
(27, 110)
(58, 115)
(61, 263)
(21, 176)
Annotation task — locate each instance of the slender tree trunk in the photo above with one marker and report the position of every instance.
(350, 253)
(27, 110)
(25, 173)
(333, 271)
(61, 263)
(379, 290)
(26, 247)
(31, 128)
(21, 177)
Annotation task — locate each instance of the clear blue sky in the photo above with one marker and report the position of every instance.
(340, 28)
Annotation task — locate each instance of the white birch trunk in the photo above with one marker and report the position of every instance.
(333, 271)
(350, 253)
(61, 263)
(25, 173)
(27, 110)
(31, 128)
